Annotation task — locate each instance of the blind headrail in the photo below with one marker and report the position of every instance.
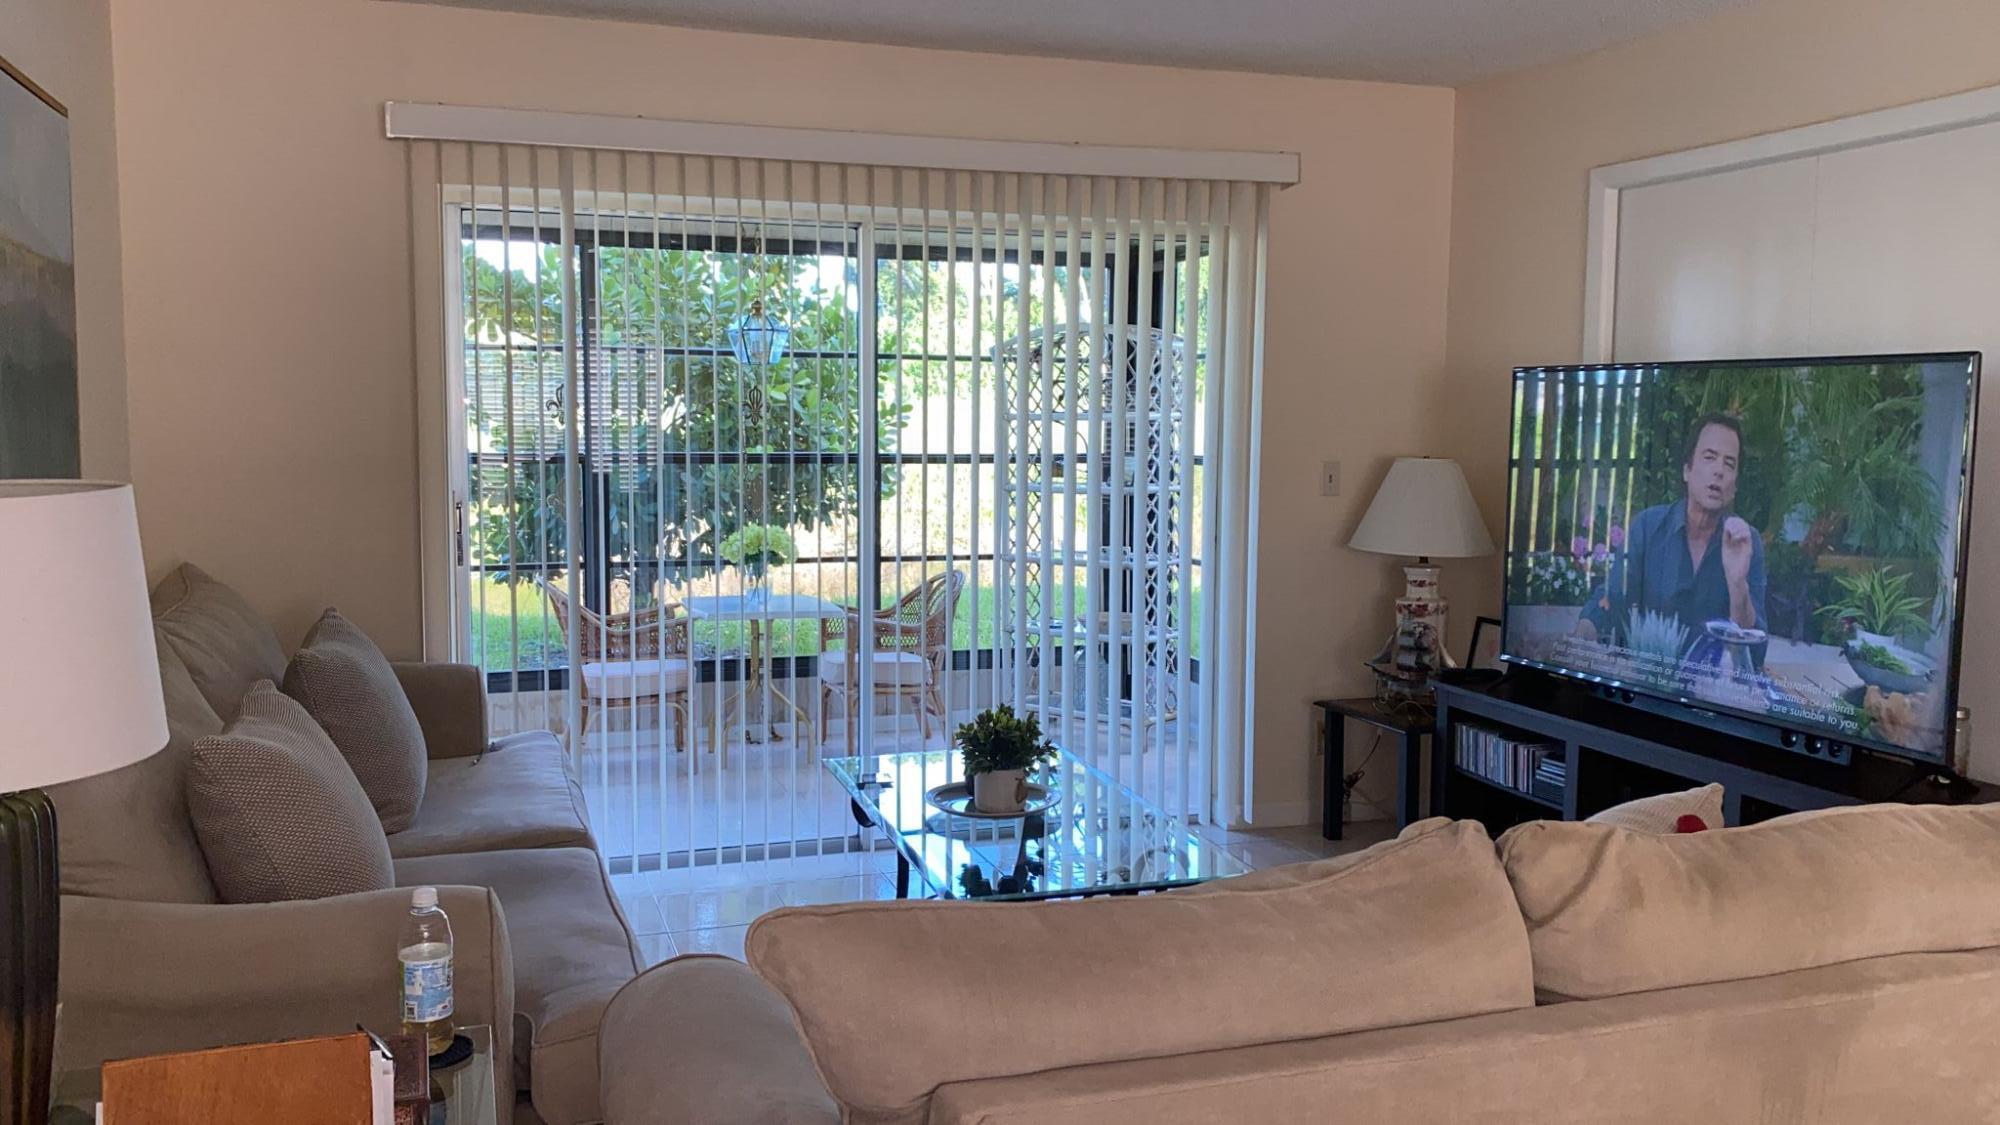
(426, 121)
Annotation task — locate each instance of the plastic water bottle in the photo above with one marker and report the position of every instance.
(425, 951)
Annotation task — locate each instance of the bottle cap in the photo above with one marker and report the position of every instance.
(423, 898)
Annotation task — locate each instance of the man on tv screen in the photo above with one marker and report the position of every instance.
(1694, 559)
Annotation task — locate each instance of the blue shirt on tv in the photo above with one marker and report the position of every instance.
(1655, 572)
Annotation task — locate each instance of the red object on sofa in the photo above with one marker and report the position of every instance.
(1689, 822)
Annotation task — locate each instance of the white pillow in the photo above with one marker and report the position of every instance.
(1657, 814)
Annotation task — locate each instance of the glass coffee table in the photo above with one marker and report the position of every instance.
(1097, 837)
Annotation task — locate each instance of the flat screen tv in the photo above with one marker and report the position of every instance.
(1780, 541)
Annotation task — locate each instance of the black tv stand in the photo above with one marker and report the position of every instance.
(1614, 753)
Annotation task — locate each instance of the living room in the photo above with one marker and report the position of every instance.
(528, 337)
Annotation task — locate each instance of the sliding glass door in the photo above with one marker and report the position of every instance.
(760, 465)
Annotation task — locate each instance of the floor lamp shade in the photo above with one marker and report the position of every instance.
(79, 695)
(79, 676)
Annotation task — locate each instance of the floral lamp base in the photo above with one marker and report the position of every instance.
(1416, 650)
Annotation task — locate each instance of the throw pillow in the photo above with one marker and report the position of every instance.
(348, 687)
(278, 813)
(1661, 814)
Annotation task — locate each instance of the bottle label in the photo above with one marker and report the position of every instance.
(426, 990)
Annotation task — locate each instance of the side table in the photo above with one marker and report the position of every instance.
(1409, 723)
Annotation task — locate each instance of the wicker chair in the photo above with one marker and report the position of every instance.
(912, 641)
(631, 659)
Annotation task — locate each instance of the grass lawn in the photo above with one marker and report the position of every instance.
(504, 615)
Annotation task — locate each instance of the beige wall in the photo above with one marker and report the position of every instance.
(65, 46)
(273, 429)
(1526, 144)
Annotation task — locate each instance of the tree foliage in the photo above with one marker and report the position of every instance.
(684, 444)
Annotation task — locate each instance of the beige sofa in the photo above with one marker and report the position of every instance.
(151, 961)
(1828, 968)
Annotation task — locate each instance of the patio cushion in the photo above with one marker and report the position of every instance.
(636, 679)
(347, 686)
(521, 793)
(226, 645)
(126, 834)
(907, 669)
(278, 813)
(572, 952)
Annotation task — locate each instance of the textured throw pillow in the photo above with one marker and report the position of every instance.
(278, 813)
(348, 687)
(1662, 813)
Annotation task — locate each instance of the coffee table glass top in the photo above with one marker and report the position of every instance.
(1099, 837)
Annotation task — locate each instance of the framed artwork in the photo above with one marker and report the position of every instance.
(1485, 650)
(38, 406)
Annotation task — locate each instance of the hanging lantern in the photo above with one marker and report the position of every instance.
(757, 338)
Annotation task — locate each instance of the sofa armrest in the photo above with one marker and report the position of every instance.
(140, 978)
(704, 1041)
(450, 702)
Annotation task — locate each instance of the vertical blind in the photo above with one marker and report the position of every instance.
(1016, 410)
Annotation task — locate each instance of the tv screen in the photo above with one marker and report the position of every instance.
(1780, 540)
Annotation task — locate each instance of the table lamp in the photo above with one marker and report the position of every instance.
(79, 695)
(1425, 510)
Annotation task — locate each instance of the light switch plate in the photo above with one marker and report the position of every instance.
(1329, 478)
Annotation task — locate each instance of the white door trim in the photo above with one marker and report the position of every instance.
(1607, 183)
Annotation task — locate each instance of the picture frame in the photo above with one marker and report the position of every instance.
(40, 423)
(1484, 651)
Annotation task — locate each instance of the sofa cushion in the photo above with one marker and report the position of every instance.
(573, 951)
(1891, 1039)
(1611, 911)
(226, 645)
(521, 793)
(278, 813)
(347, 686)
(1420, 928)
(126, 834)
(1661, 812)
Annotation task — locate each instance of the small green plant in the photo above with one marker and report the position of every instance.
(997, 739)
(1878, 657)
(1657, 637)
(1879, 601)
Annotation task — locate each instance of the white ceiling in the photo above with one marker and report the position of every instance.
(1444, 42)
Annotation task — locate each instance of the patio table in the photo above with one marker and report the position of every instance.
(757, 613)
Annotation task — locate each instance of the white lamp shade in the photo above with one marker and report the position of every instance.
(1423, 509)
(79, 676)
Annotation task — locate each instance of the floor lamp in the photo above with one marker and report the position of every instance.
(79, 695)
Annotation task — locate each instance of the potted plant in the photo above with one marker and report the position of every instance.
(998, 748)
(755, 548)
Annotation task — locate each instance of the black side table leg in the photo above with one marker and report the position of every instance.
(1333, 747)
(1407, 785)
(902, 876)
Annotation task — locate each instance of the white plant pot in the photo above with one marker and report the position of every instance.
(1000, 791)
